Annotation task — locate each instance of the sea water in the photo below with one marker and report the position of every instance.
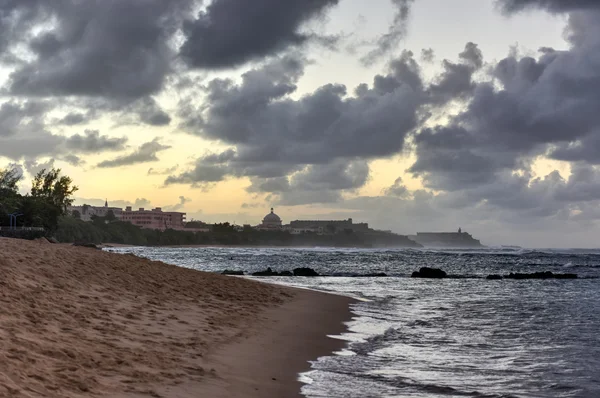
(467, 337)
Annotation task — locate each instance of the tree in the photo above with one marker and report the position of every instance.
(10, 200)
(110, 216)
(9, 178)
(51, 194)
(54, 188)
(76, 214)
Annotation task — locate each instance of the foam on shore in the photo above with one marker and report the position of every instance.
(77, 322)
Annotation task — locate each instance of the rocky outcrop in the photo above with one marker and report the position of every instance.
(267, 272)
(426, 272)
(232, 272)
(494, 277)
(540, 275)
(304, 271)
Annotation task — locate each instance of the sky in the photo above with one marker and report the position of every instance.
(411, 115)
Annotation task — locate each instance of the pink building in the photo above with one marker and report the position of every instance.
(154, 219)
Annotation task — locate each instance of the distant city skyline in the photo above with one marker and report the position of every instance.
(406, 114)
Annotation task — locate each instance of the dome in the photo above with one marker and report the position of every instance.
(271, 219)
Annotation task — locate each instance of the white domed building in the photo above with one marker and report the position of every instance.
(271, 221)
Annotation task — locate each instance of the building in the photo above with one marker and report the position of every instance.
(154, 219)
(328, 226)
(87, 212)
(270, 222)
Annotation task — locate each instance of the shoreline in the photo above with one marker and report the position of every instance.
(267, 360)
(80, 322)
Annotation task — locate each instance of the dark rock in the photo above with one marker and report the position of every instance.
(267, 272)
(426, 272)
(540, 275)
(494, 277)
(232, 272)
(565, 276)
(286, 273)
(305, 272)
(52, 239)
(374, 275)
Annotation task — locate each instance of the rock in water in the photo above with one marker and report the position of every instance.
(426, 272)
(494, 277)
(303, 271)
(232, 272)
(267, 272)
(541, 275)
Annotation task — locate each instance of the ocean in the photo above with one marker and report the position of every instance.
(463, 337)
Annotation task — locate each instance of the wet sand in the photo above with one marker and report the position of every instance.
(79, 322)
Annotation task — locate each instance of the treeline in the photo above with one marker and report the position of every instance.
(47, 201)
(101, 230)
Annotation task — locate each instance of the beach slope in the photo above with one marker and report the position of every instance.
(80, 322)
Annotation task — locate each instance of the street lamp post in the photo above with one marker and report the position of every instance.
(13, 220)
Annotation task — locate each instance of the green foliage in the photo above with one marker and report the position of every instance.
(9, 180)
(50, 195)
(100, 231)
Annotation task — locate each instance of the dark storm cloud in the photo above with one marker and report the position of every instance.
(143, 111)
(268, 126)
(145, 153)
(22, 117)
(536, 106)
(113, 49)
(397, 31)
(231, 32)
(314, 184)
(73, 119)
(31, 145)
(457, 79)
(92, 142)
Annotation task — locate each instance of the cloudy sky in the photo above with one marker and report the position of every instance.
(411, 115)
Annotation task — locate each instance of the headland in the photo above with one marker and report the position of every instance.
(458, 239)
(80, 322)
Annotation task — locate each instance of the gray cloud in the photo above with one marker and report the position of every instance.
(73, 119)
(389, 41)
(511, 6)
(73, 160)
(33, 167)
(138, 203)
(273, 132)
(92, 142)
(113, 49)
(145, 153)
(397, 189)
(456, 81)
(22, 117)
(231, 32)
(166, 171)
(177, 207)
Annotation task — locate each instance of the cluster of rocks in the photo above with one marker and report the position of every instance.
(303, 271)
(436, 273)
(426, 272)
(534, 275)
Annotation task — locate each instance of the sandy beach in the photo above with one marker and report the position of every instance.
(79, 322)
